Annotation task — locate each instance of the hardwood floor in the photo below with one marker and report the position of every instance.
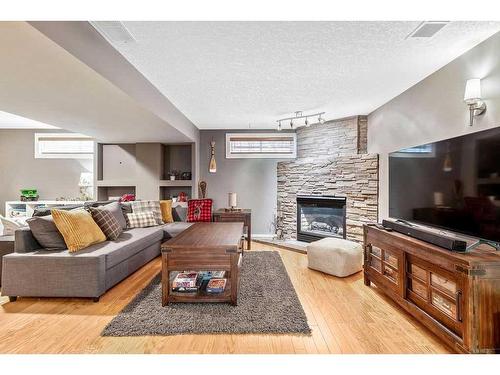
(345, 317)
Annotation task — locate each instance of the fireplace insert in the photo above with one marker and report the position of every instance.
(320, 216)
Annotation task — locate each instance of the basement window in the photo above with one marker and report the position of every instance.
(63, 146)
(261, 145)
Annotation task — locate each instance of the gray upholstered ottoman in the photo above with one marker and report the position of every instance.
(335, 256)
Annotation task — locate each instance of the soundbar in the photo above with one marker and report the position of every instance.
(442, 240)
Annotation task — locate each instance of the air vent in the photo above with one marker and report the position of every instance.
(427, 29)
(113, 31)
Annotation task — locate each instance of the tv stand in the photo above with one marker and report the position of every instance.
(456, 295)
(493, 244)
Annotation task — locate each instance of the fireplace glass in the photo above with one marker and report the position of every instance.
(319, 217)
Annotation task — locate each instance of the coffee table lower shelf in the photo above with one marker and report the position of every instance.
(229, 295)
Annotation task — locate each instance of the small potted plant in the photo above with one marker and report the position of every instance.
(174, 175)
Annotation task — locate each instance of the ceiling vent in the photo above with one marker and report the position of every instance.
(427, 29)
(113, 31)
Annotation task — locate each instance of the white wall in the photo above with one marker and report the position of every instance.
(434, 109)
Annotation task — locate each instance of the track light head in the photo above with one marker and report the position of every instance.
(321, 120)
(291, 124)
(279, 126)
(306, 123)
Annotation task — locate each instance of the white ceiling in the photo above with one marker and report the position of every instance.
(232, 74)
(40, 80)
(10, 121)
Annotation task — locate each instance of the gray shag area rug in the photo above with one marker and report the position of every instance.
(267, 303)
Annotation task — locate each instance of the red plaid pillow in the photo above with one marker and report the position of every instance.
(199, 210)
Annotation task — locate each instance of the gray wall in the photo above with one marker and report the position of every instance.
(254, 180)
(433, 109)
(19, 169)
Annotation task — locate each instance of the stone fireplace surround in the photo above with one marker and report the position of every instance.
(331, 160)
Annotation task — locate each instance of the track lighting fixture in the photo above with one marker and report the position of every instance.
(299, 115)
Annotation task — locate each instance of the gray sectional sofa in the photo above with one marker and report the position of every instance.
(32, 271)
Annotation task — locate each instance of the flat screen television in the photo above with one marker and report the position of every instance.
(452, 184)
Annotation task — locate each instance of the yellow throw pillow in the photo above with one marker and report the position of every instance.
(166, 211)
(78, 229)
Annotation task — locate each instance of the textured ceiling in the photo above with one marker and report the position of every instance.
(232, 74)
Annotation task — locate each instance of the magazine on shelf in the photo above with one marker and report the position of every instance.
(216, 285)
(185, 280)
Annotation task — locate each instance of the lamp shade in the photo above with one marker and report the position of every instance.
(472, 90)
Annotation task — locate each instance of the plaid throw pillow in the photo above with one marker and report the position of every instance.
(141, 220)
(148, 206)
(199, 210)
(108, 223)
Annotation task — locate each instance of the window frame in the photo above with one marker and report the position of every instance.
(69, 136)
(258, 155)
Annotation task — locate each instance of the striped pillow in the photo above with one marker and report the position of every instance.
(141, 220)
(78, 229)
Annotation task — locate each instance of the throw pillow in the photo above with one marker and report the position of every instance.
(141, 220)
(10, 226)
(199, 210)
(148, 206)
(166, 211)
(180, 213)
(45, 211)
(115, 209)
(107, 221)
(46, 233)
(78, 229)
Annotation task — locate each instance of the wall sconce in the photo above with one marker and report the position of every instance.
(472, 98)
(212, 167)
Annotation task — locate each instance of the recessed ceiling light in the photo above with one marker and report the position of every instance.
(113, 31)
(427, 29)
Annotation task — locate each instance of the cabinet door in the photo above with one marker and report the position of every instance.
(437, 291)
(387, 264)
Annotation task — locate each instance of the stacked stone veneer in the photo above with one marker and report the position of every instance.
(331, 160)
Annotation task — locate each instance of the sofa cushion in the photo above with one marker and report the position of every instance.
(173, 229)
(179, 213)
(45, 211)
(129, 243)
(78, 229)
(141, 220)
(148, 206)
(166, 211)
(199, 210)
(46, 233)
(115, 209)
(107, 222)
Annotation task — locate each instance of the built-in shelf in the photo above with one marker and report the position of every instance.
(185, 183)
(144, 169)
(115, 183)
(489, 181)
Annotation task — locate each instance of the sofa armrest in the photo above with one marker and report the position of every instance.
(24, 242)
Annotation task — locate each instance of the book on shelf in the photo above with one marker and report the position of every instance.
(185, 280)
(216, 285)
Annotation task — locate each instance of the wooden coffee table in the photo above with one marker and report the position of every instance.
(204, 247)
